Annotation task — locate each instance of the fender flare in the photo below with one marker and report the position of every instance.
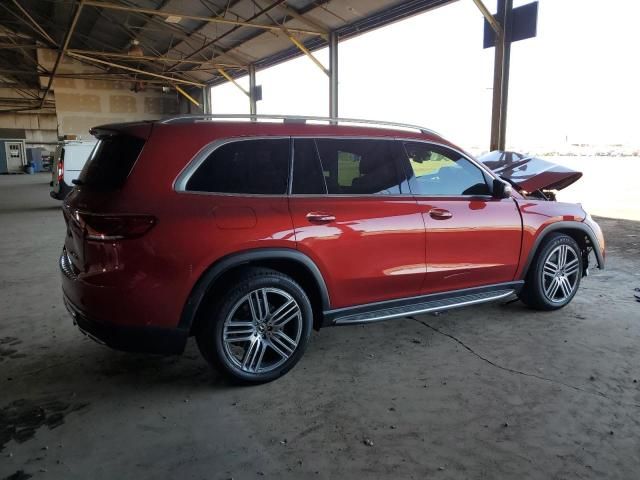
(201, 287)
(563, 225)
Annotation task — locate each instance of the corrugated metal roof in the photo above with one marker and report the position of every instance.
(110, 27)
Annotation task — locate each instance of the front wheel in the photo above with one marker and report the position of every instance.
(554, 276)
(259, 330)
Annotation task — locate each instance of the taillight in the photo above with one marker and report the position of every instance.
(114, 227)
(60, 170)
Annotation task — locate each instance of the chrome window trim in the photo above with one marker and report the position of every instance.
(179, 184)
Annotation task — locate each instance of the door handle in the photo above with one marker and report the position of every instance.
(440, 214)
(320, 217)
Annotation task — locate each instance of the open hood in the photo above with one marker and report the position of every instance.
(529, 173)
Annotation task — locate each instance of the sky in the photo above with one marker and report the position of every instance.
(577, 82)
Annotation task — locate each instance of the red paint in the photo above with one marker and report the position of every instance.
(368, 249)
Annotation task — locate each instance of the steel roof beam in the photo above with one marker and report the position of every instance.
(65, 45)
(36, 25)
(490, 18)
(135, 70)
(153, 58)
(224, 21)
(212, 43)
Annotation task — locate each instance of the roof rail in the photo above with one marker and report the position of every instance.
(293, 119)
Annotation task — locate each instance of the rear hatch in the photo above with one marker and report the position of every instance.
(529, 173)
(87, 210)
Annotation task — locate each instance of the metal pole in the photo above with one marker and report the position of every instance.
(253, 104)
(506, 61)
(333, 75)
(206, 99)
(501, 76)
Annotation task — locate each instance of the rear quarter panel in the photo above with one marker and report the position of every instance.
(158, 271)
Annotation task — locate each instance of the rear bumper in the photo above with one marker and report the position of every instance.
(62, 192)
(130, 338)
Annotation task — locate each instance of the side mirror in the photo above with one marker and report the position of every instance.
(501, 189)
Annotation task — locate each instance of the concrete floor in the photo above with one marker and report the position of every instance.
(490, 392)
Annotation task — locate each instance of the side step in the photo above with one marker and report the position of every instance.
(434, 305)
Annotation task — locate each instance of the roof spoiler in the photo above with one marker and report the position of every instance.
(140, 130)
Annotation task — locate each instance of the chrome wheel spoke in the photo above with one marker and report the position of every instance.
(285, 314)
(549, 269)
(258, 304)
(253, 355)
(553, 288)
(245, 338)
(283, 344)
(565, 287)
(572, 267)
(238, 331)
(562, 256)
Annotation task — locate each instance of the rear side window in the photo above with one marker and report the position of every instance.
(347, 167)
(110, 162)
(244, 167)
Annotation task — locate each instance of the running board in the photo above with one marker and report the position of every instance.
(458, 299)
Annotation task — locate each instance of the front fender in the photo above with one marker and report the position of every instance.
(564, 226)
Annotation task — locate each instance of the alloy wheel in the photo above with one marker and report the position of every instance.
(560, 273)
(262, 330)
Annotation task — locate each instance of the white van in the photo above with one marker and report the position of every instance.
(68, 161)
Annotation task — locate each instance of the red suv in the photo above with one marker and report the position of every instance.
(248, 234)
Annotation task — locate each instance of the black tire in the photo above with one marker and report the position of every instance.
(210, 336)
(533, 293)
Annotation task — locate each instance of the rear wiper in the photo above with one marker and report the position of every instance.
(77, 181)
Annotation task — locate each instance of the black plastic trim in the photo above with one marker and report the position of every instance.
(564, 225)
(331, 316)
(201, 287)
(147, 339)
(63, 191)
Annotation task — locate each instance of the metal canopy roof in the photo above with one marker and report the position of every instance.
(190, 41)
(206, 42)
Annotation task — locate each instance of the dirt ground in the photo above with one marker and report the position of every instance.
(489, 392)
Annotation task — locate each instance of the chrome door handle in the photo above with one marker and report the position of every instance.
(440, 214)
(319, 217)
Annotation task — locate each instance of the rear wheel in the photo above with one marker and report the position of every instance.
(554, 276)
(259, 329)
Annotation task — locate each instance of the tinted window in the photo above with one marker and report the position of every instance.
(435, 170)
(110, 162)
(358, 167)
(250, 166)
(307, 169)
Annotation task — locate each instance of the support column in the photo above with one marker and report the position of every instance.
(253, 103)
(206, 102)
(333, 75)
(501, 76)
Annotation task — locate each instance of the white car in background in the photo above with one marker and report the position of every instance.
(68, 161)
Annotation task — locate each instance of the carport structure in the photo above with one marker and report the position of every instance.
(191, 45)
